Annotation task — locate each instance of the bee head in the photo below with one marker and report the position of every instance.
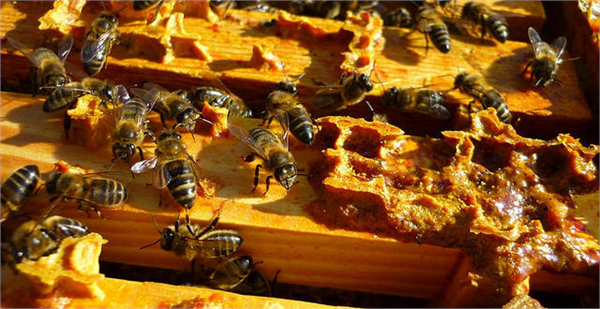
(188, 118)
(109, 17)
(365, 82)
(169, 134)
(287, 86)
(460, 79)
(244, 263)
(544, 75)
(168, 236)
(56, 80)
(123, 151)
(52, 182)
(286, 175)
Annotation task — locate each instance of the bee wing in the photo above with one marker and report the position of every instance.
(284, 120)
(64, 47)
(154, 87)
(195, 167)
(559, 45)
(144, 165)
(161, 176)
(327, 96)
(245, 138)
(535, 39)
(91, 48)
(149, 96)
(122, 94)
(21, 48)
(438, 112)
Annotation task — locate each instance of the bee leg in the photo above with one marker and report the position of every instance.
(162, 120)
(268, 182)
(527, 67)
(256, 171)
(211, 226)
(426, 43)
(141, 153)
(483, 30)
(471, 106)
(270, 120)
(187, 221)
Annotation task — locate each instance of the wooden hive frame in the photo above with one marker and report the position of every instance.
(276, 228)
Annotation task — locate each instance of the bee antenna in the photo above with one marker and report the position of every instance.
(301, 174)
(103, 6)
(156, 224)
(372, 68)
(380, 82)
(193, 137)
(150, 245)
(177, 126)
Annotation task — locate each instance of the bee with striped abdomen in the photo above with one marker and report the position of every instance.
(106, 90)
(198, 242)
(229, 273)
(546, 58)
(49, 68)
(351, 91)
(431, 24)
(130, 130)
(271, 150)
(399, 17)
(17, 188)
(98, 42)
(487, 96)
(90, 191)
(424, 101)
(254, 284)
(170, 105)
(140, 5)
(33, 240)
(283, 104)
(481, 13)
(175, 169)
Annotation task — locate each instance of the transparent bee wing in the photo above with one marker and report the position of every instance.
(195, 167)
(68, 88)
(438, 112)
(284, 120)
(535, 40)
(91, 48)
(245, 138)
(327, 96)
(154, 87)
(559, 45)
(144, 165)
(122, 94)
(139, 92)
(73, 70)
(64, 47)
(161, 176)
(21, 48)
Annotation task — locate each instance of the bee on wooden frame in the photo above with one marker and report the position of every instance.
(98, 42)
(270, 148)
(282, 103)
(546, 58)
(350, 91)
(481, 13)
(429, 22)
(488, 96)
(196, 241)
(48, 68)
(175, 169)
(17, 189)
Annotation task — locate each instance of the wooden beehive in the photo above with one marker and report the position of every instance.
(276, 228)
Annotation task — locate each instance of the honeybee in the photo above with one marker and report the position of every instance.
(130, 130)
(271, 150)
(429, 22)
(89, 190)
(329, 9)
(399, 17)
(98, 42)
(478, 12)
(174, 168)
(418, 100)
(254, 284)
(291, 114)
(196, 241)
(546, 59)
(487, 96)
(229, 273)
(170, 105)
(221, 97)
(351, 90)
(64, 97)
(17, 188)
(48, 69)
(30, 241)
